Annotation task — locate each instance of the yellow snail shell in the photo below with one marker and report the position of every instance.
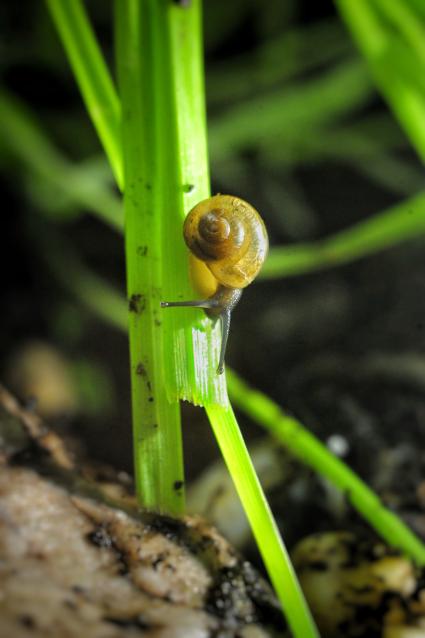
(229, 236)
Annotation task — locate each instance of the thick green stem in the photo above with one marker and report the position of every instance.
(148, 193)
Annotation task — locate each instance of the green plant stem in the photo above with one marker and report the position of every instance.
(311, 451)
(401, 222)
(92, 76)
(156, 420)
(262, 523)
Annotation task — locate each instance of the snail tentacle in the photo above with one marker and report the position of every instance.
(225, 329)
(201, 303)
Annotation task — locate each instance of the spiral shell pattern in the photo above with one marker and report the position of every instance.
(229, 236)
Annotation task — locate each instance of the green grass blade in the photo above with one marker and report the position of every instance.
(264, 528)
(400, 223)
(93, 292)
(312, 452)
(92, 76)
(78, 185)
(290, 113)
(22, 135)
(303, 49)
(405, 98)
(406, 22)
(156, 420)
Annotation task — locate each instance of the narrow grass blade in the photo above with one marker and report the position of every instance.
(92, 76)
(400, 223)
(23, 136)
(290, 112)
(264, 528)
(376, 41)
(312, 452)
(302, 49)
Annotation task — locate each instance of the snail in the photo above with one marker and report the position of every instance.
(230, 238)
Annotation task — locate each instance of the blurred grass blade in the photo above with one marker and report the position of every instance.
(290, 112)
(401, 222)
(406, 22)
(92, 76)
(376, 41)
(264, 528)
(75, 183)
(93, 292)
(295, 52)
(312, 452)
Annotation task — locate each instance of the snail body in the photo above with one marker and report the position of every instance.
(230, 238)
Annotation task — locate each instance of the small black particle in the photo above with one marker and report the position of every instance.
(178, 485)
(318, 566)
(140, 369)
(137, 303)
(188, 188)
(31, 404)
(137, 622)
(150, 399)
(142, 251)
(27, 621)
(158, 560)
(100, 537)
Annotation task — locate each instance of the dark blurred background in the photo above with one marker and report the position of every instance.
(341, 349)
